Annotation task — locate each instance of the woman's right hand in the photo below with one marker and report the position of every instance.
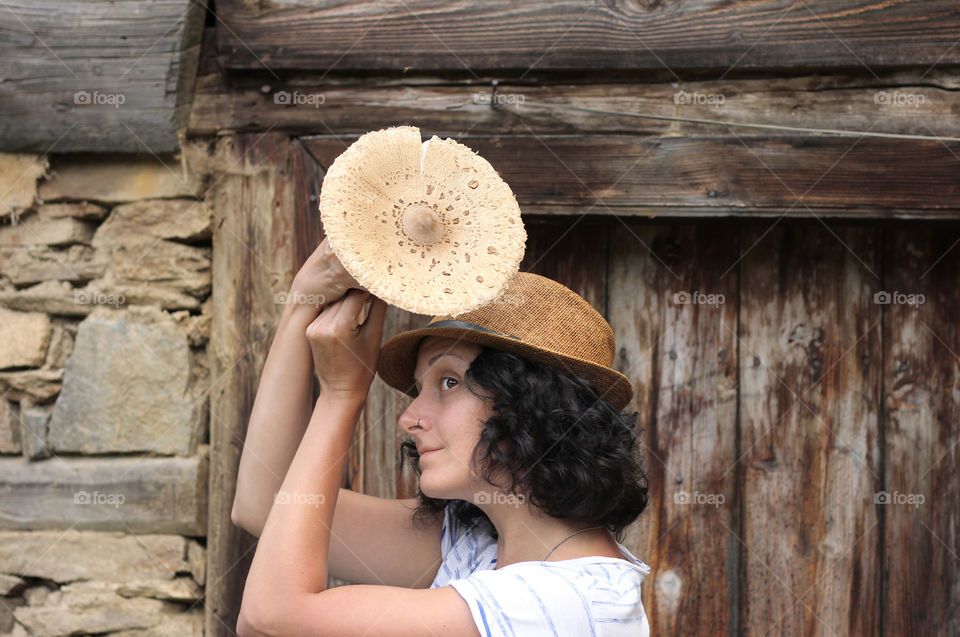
(321, 280)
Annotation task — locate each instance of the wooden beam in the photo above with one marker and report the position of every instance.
(902, 103)
(83, 76)
(513, 37)
(253, 198)
(718, 176)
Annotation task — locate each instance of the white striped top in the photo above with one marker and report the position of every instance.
(597, 596)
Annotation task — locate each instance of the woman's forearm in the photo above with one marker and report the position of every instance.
(278, 419)
(292, 555)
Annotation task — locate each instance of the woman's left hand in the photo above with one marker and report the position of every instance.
(344, 353)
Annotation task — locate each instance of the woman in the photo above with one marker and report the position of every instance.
(526, 468)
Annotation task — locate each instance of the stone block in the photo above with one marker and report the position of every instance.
(31, 384)
(61, 343)
(127, 387)
(139, 264)
(180, 219)
(118, 178)
(52, 297)
(10, 584)
(24, 337)
(19, 173)
(60, 299)
(195, 326)
(92, 607)
(34, 429)
(180, 589)
(187, 624)
(9, 428)
(25, 265)
(48, 232)
(79, 210)
(65, 556)
(134, 494)
(197, 558)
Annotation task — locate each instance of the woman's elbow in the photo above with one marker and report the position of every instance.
(242, 519)
(250, 624)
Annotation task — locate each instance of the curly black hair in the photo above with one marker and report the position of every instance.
(557, 443)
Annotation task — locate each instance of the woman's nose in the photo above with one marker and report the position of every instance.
(409, 419)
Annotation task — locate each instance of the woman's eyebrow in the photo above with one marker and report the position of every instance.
(433, 360)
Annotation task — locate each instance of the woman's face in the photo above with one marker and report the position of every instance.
(451, 418)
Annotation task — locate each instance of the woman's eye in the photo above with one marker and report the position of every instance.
(446, 378)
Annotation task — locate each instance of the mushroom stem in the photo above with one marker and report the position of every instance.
(422, 224)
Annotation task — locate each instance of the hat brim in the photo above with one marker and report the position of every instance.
(398, 360)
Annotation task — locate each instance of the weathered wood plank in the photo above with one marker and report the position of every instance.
(681, 354)
(810, 400)
(717, 176)
(253, 199)
(577, 34)
(921, 380)
(130, 495)
(383, 475)
(904, 102)
(572, 252)
(84, 76)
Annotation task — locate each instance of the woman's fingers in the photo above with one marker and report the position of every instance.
(378, 310)
(345, 311)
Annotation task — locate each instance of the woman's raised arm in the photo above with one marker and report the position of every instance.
(282, 407)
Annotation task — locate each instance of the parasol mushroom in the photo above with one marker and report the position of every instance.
(429, 227)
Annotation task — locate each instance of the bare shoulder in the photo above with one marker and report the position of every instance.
(375, 610)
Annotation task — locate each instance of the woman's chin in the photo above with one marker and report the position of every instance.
(437, 489)
(432, 491)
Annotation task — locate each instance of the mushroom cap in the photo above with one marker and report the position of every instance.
(429, 227)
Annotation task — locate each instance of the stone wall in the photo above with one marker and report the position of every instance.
(105, 266)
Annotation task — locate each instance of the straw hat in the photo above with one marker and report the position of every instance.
(428, 227)
(535, 318)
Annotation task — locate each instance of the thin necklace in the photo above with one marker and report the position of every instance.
(567, 538)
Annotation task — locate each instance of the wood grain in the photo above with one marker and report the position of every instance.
(674, 314)
(902, 102)
(576, 34)
(717, 176)
(253, 198)
(810, 400)
(921, 380)
(572, 252)
(85, 76)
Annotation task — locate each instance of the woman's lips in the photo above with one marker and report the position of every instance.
(426, 451)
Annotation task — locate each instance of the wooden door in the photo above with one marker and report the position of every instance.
(798, 431)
